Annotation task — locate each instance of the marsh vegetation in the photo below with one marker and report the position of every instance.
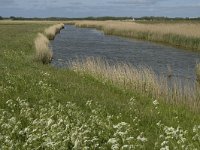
(43, 107)
(185, 35)
(142, 80)
(53, 30)
(42, 45)
(43, 51)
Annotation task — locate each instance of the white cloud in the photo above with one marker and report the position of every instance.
(98, 7)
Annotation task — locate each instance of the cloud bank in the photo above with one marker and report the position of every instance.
(83, 8)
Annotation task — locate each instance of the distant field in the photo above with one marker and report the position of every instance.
(42, 107)
(180, 34)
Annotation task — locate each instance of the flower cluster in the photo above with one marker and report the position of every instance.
(54, 125)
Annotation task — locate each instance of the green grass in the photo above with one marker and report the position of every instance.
(42, 107)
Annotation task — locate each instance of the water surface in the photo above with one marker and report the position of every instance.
(75, 42)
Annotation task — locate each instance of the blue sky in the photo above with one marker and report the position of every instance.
(83, 8)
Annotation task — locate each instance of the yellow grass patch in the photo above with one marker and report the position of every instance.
(53, 30)
(43, 52)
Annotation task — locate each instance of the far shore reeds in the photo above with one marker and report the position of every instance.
(184, 35)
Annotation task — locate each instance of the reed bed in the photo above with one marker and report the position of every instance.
(185, 35)
(142, 79)
(53, 30)
(43, 52)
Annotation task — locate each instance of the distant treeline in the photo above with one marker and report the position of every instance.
(147, 18)
(63, 18)
(152, 18)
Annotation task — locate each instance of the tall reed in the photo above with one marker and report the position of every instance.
(185, 35)
(140, 79)
(53, 30)
(198, 72)
(43, 52)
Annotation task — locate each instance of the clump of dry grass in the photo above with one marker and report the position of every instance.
(142, 80)
(53, 30)
(43, 52)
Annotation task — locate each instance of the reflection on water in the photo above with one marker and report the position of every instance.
(75, 42)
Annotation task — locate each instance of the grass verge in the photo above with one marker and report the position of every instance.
(43, 107)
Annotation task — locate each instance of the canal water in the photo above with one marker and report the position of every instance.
(73, 43)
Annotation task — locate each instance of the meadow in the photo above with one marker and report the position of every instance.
(43, 107)
(179, 34)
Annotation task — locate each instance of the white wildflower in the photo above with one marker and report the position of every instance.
(141, 138)
(155, 102)
(115, 147)
(165, 148)
(120, 125)
(164, 143)
(50, 121)
(125, 147)
(112, 141)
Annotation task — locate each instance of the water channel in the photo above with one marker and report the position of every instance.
(73, 43)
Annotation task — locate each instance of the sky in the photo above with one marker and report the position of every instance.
(84, 8)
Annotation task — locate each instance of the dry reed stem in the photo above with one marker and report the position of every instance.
(142, 80)
(43, 52)
(198, 72)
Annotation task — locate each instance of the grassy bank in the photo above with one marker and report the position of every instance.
(183, 35)
(43, 107)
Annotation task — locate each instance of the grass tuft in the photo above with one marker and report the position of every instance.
(43, 52)
(53, 30)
